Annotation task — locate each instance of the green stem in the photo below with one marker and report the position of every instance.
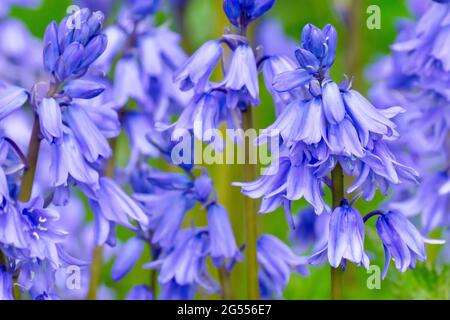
(97, 256)
(250, 214)
(26, 185)
(96, 267)
(224, 276)
(353, 54)
(337, 275)
(153, 272)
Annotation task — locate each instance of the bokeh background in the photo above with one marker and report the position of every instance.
(358, 47)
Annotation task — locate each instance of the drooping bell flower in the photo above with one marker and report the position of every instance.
(277, 261)
(345, 239)
(401, 241)
(223, 247)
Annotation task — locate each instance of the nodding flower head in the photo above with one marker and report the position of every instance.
(242, 12)
(345, 239)
(71, 47)
(401, 241)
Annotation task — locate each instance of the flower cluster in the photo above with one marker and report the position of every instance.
(323, 127)
(214, 103)
(167, 198)
(72, 142)
(112, 70)
(416, 75)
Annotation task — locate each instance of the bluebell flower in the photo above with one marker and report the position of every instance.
(37, 277)
(273, 39)
(41, 232)
(170, 180)
(140, 292)
(203, 188)
(277, 261)
(271, 67)
(128, 82)
(32, 231)
(418, 7)
(139, 127)
(166, 226)
(345, 239)
(7, 4)
(242, 12)
(402, 241)
(416, 75)
(20, 53)
(116, 206)
(92, 142)
(204, 113)
(6, 285)
(223, 247)
(300, 121)
(83, 89)
(50, 120)
(323, 124)
(292, 177)
(69, 50)
(128, 256)
(367, 118)
(104, 6)
(67, 161)
(11, 98)
(432, 207)
(321, 44)
(11, 224)
(173, 291)
(311, 230)
(241, 79)
(142, 8)
(186, 262)
(197, 70)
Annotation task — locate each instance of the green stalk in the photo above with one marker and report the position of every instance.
(250, 214)
(337, 275)
(96, 268)
(225, 284)
(26, 185)
(97, 256)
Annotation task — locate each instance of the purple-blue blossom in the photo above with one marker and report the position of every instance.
(241, 12)
(401, 240)
(277, 262)
(345, 239)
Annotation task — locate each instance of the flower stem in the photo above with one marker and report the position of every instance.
(26, 185)
(96, 267)
(97, 255)
(225, 283)
(250, 214)
(337, 275)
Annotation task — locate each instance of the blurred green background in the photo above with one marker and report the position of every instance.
(357, 48)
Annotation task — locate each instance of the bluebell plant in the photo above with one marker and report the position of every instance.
(415, 75)
(122, 73)
(328, 130)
